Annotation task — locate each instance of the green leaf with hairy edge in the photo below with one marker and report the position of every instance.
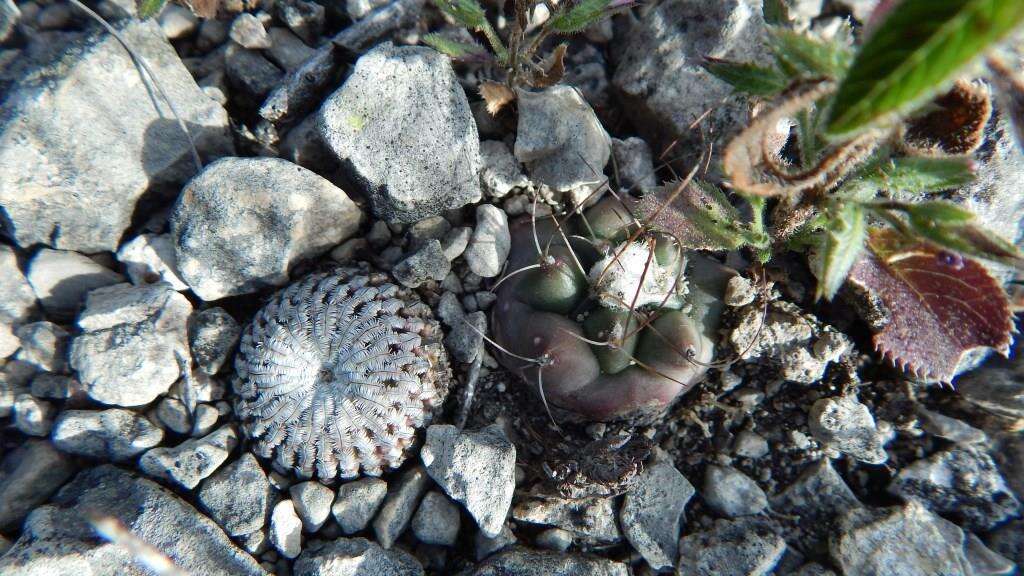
(968, 239)
(700, 216)
(452, 48)
(917, 49)
(841, 245)
(776, 12)
(468, 13)
(150, 8)
(938, 213)
(923, 175)
(748, 78)
(803, 55)
(579, 17)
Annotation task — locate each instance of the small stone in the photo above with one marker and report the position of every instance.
(131, 336)
(357, 503)
(254, 543)
(107, 435)
(355, 557)
(815, 500)
(312, 502)
(962, 482)
(433, 159)
(732, 493)
(177, 21)
(847, 425)
(349, 250)
(750, 445)
(206, 417)
(400, 505)
(149, 258)
(476, 469)
(191, 461)
(501, 171)
(489, 247)
(428, 263)
(634, 165)
(17, 300)
(286, 529)
(32, 416)
(29, 475)
(61, 279)
(985, 562)
(949, 428)
(437, 520)
(238, 496)
(555, 539)
(465, 340)
(743, 547)
(174, 415)
(14, 380)
(739, 291)
(212, 337)
(287, 50)
(212, 33)
(652, 513)
(561, 141)
(55, 386)
(423, 231)
(379, 235)
(1008, 541)
(522, 561)
(486, 546)
(44, 345)
(305, 19)
(248, 32)
(250, 75)
(590, 520)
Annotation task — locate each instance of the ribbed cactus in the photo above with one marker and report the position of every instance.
(606, 318)
(337, 372)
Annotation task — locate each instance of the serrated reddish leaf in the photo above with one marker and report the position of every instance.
(940, 305)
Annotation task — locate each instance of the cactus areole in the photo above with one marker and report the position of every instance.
(606, 318)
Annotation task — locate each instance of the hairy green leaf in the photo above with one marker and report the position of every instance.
(968, 239)
(150, 8)
(938, 213)
(748, 78)
(468, 13)
(580, 17)
(776, 12)
(841, 245)
(802, 55)
(453, 48)
(923, 175)
(699, 215)
(917, 50)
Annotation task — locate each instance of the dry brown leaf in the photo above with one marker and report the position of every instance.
(496, 95)
(554, 69)
(955, 128)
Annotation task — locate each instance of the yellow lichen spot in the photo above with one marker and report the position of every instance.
(355, 121)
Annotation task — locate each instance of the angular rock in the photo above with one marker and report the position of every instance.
(109, 435)
(357, 503)
(486, 546)
(14, 381)
(590, 520)
(476, 469)
(399, 505)
(17, 300)
(151, 513)
(846, 425)
(635, 165)
(522, 561)
(501, 172)
(561, 141)
(732, 493)
(488, 248)
(287, 50)
(286, 529)
(29, 475)
(131, 335)
(429, 228)
(427, 263)
(190, 462)
(437, 520)
(898, 541)
(240, 224)
(305, 19)
(402, 127)
(814, 500)
(44, 345)
(83, 192)
(962, 482)
(61, 279)
(355, 557)
(249, 32)
(312, 502)
(667, 89)
(177, 21)
(55, 386)
(150, 258)
(652, 513)
(32, 416)
(251, 76)
(465, 339)
(212, 337)
(556, 539)
(743, 547)
(174, 415)
(237, 496)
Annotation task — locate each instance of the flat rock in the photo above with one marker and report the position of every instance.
(490, 244)
(731, 493)
(521, 561)
(742, 547)
(29, 475)
(846, 425)
(590, 520)
(150, 258)
(437, 520)
(357, 502)
(190, 462)
(151, 513)
(312, 502)
(213, 334)
(501, 172)
(355, 557)
(814, 500)
(476, 469)
(127, 352)
(82, 192)
(17, 300)
(44, 345)
(286, 529)
(237, 496)
(109, 435)
(61, 279)
(236, 232)
(399, 505)
(402, 127)
(963, 483)
(898, 541)
(652, 513)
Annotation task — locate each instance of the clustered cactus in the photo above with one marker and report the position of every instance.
(337, 372)
(610, 323)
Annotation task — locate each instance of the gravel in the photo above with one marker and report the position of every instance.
(396, 512)
(312, 502)
(150, 258)
(29, 475)
(731, 493)
(357, 503)
(437, 520)
(489, 247)
(742, 547)
(355, 557)
(286, 529)
(652, 513)
(501, 171)
(190, 462)
(427, 263)
(591, 521)
(113, 435)
(846, 425)
(61, 279)
(523, 561)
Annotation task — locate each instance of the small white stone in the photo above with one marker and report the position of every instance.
(286, 529)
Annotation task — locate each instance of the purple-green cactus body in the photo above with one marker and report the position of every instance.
(560, 316)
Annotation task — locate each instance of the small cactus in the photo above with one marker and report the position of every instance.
(337, 372)
(606, 324)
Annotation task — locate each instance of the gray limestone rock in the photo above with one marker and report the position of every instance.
(61, 279)
(110, 435)
(29, 475)
(357, 502)
(355, 557)
(190, 462)
(652, 513)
